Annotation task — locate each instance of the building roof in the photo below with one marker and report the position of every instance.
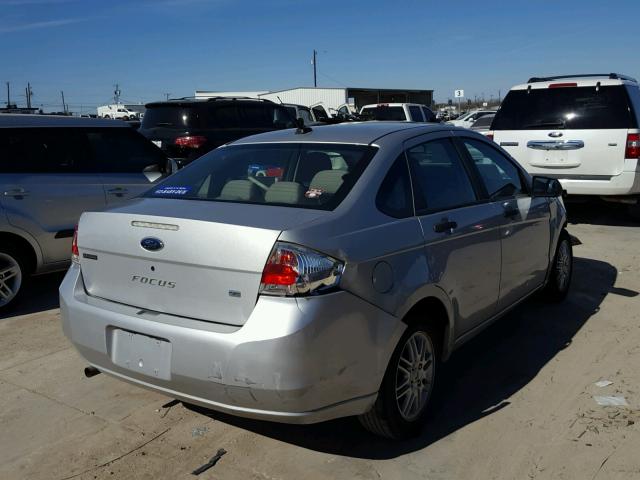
(21, 120)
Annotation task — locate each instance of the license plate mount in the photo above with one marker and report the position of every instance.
(140, 353)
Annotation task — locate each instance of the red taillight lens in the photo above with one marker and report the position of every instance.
(490, 136)
(75, 254)
(191, 141)
(633, 146)
(294, 270)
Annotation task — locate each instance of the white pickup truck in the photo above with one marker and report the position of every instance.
(118, 111)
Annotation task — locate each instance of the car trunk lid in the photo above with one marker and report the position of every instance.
(199, 262)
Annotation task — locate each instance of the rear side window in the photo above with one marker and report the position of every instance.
(43, 150)
(394, 197)
(384, 113)
(429, 116)
(571, 107)
(484, 121)
(440, 180)
(416, 114)
(317, 176)
(172, 116)
(501, 178)
(121, 150)
(634, 97)
(320, 113)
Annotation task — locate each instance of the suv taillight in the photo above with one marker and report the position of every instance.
(633, 146)
(75, 254)
(295, 270)
(490, 136)
(191, 141)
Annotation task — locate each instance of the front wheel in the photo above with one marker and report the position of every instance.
(407, 386)
(12, 277)
(559, 280)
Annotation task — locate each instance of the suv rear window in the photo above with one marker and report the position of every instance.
(569, 107)
(384, 113)
(171, 116)
(317, 176)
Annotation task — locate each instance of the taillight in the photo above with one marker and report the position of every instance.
(563, 85)
(633, 146)
(75, 254)
(295, 270)
(191, 141)
(490, 136)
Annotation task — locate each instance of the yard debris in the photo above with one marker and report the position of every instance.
(210, 463)
(199, 431)
(611, 401)
(603, 383)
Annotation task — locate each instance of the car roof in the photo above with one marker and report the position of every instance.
(585, 80)
(13, 120)
(362, 133)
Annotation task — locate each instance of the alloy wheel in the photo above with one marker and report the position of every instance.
(563, 265)
(414, 375)
(10, 278)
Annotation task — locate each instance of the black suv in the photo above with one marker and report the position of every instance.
(187, 128)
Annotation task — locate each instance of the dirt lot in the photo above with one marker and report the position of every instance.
(515, 403)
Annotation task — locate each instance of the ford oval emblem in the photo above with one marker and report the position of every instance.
(555, 134)
(152, 244)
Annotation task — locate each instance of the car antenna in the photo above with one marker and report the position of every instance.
(280, 100)
(302, 128)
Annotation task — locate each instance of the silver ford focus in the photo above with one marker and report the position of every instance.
(304, 275)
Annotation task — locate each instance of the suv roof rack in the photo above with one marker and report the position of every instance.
(616, 76)
(213, 99)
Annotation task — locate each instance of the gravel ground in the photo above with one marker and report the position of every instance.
(514, 403)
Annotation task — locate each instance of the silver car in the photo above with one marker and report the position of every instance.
(51, 170)
(303, 275)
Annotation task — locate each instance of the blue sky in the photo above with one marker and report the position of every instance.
(150, 47)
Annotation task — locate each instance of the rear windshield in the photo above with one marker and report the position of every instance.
(569, 107)
(176, 116)
(384, 113)
(317, 176)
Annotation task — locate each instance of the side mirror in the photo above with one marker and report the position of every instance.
(547, 187)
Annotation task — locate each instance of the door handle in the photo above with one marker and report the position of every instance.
(445, 226)
(118, 191)
(17, 193)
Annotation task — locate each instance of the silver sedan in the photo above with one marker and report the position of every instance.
(303, 275)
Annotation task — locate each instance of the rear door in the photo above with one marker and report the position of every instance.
(566, 131)
(525, 221)
(46, 183)
(127, 163)
(461, 234)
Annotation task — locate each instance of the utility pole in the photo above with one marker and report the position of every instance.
(29, 94)
(167, 96)
(315, 78)
(8, 95)
(64, 105)
(116, 94)
(499, 97)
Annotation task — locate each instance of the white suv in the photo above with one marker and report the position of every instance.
(580, 129)
(469, 118)
(403, 112)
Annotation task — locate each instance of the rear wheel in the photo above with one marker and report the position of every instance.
(12, 276)
(559, 280)
(407, 386)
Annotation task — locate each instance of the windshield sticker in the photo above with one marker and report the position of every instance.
(313, 192)
(173, 191)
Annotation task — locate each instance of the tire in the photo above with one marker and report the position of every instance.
(392, 416)
(107, 117)
(125, 118)
(13, 276)
(559, 280)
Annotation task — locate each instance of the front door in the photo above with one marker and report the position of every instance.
(525, 232)
(461, 234)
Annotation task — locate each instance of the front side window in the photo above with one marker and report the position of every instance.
(317, 176)
(501, 178)
(440, 181)
(122, 150)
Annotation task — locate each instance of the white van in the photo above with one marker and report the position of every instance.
(580, 129)
(117, 110)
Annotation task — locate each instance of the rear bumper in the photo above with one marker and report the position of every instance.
(294, 361)
(627, 183)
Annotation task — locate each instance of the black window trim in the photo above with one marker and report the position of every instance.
(429, 211)
(524, 180)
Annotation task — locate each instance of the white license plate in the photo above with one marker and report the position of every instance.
(157, 143)
(140, 353)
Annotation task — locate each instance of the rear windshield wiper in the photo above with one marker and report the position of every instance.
(164, 124)
(560, 124)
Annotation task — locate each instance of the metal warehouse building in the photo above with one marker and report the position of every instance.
(332, 97)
